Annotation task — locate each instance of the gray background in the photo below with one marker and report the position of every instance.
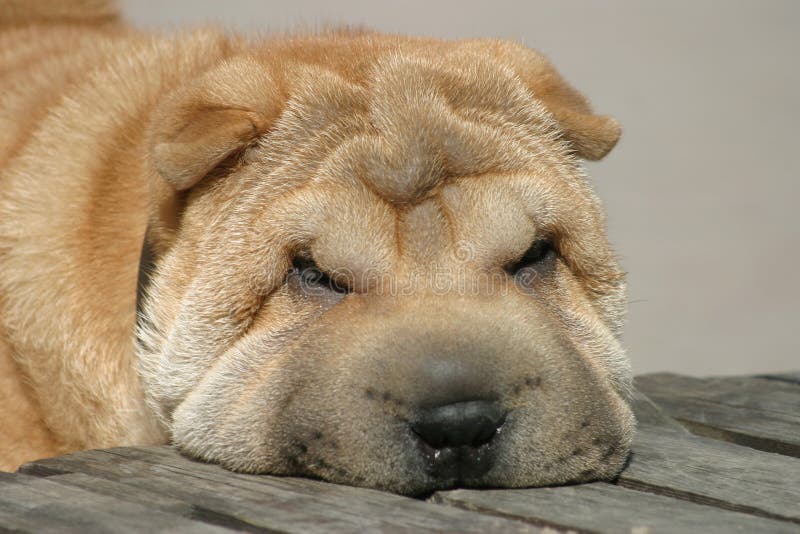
(700, 191)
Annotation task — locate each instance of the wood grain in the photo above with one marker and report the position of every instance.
(602, 507)
(672, 462)
(754, 412)
(35, 504)
(259, 503)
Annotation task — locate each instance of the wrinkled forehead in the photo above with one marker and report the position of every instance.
(409, 126)
(452, 147)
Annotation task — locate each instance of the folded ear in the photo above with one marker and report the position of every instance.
(592, 136)
(211, 118)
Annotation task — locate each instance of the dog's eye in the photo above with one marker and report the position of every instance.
(313, 279)
(540, 253)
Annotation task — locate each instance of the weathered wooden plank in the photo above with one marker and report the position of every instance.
(601, 507)
(32, 504)
(124, 492)
(774, 398)
(649, 414)
(274, 503)
(754, 412)
(672, 462)
(793, 377)
(156, 501)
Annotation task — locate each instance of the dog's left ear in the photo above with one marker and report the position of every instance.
(203, 123)
(591, 136)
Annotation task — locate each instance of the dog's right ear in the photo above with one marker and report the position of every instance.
(203, 123)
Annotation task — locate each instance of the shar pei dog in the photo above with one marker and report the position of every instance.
(370, 259)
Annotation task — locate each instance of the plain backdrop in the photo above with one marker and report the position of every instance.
(701, 192)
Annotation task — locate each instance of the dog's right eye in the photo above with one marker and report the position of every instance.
(312, 279)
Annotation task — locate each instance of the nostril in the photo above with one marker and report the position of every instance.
(462, 424)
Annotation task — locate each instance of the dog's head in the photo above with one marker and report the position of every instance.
(378, 263)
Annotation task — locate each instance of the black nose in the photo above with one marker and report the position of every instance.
(471, 423)
(456, 437)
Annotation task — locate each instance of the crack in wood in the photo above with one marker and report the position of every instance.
(701, 499)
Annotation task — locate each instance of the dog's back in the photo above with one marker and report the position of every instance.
(52, 54)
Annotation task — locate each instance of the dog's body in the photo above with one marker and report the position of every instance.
(377, 157)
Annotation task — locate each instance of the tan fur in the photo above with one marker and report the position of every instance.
(386, 158)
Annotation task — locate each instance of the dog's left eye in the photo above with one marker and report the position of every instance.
(312, 278)
(539, 254)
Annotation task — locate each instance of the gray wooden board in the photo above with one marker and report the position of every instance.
(791, 377)
(34, 504)
(126, 492)
(672, 462)
(263, 502)
(601, 507)
(648, 413)
(755, 412)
